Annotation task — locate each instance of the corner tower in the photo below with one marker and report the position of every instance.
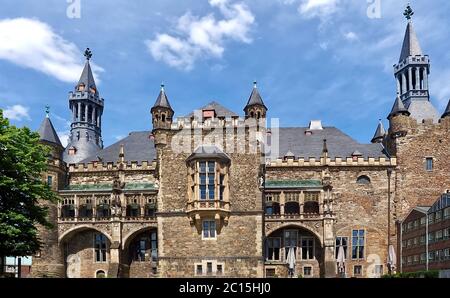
(255, 107)
(411, 74)
(86, 106)
(162, 112)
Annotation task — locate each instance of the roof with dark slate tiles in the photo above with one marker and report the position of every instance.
(221, 111)
(47, 132)
(339, 144)
(138, 147)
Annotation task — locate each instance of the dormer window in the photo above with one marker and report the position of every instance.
(209, 114)
(72, 151)
(81, 87)
(93, 90)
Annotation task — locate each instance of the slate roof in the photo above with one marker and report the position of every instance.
(87, 78)
(339, 144)
(379, 133)
(47, 132)
(423, 109)
(221, 111)
(138, 147)
(447, 110)
(162, 100)
(398, 108)
(255, 98)
(411, 46)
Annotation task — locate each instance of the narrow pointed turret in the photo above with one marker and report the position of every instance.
(380, 133)
(48, 133)
(87, 110)
(412, 73)
(255, 107)
(162, 112)
(398, 108)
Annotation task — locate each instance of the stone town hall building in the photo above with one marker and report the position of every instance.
(201, 195)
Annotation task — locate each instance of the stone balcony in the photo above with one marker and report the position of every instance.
(214, 209)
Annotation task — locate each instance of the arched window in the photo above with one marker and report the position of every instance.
(363, 180)
(311, 207)
(163, 117)
(100, 274)
(100, 243)
(291, 208)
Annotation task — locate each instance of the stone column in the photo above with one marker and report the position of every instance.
(93, 115)
(282, 200)
(410, 82)
(404, 87)
(425, 78)
(86, 108)
(79, 111)
(417, 78)
(74, 113)
(329, 249)
(77, 206)
(302, 204)
(398, 78)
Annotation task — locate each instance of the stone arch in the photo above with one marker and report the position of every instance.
(130, 236)
(296, 225)
(70, 232)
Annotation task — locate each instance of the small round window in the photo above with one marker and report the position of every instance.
(363, 180)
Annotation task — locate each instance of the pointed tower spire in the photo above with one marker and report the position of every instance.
(255, 107)
(398, 108)
(48, 133)
(412, 73)
(162, 101)
(87, 81)
(162, 112)
(87, 110)
(379, 133)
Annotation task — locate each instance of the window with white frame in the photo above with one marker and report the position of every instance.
(209, 229)
(358, 245)
(208, 181)
(207, 176)
(357, 270)
(307, 248)
(344, 242)
(209, 268)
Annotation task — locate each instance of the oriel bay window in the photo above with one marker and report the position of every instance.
(208, 190)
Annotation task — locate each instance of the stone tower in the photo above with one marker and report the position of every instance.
(412, 73)
(255, 107)
(162, 112)
(49, 261)
(416, 136)
(86, 106)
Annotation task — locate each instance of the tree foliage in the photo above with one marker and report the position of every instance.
(22, 161)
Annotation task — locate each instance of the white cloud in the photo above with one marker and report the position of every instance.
(317, 8)
(17, 112)
(34, 44)
(199, 37)
(351, 36)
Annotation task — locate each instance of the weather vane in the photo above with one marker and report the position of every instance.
(88, 54)
(408, 12)
(47, 110)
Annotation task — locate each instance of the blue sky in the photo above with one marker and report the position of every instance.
(313, 59)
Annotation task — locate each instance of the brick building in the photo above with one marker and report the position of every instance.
(426, 230)
(215, 193)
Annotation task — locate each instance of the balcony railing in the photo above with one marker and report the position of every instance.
(208, 205)
(296, 216)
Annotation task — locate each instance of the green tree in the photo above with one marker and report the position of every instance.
(22, 161)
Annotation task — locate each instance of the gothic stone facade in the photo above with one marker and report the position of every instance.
(226, 206)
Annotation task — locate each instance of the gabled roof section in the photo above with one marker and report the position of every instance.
(205, 152)
(138, 147)
(220, 110)
(48, 133)
(411, 46)
(310, 145)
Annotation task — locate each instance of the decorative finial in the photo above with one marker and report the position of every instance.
(408, 12)
(255, 84)
(122, 153)
(325, 148)
(47, 111)
(162, 86)
(88, 54)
